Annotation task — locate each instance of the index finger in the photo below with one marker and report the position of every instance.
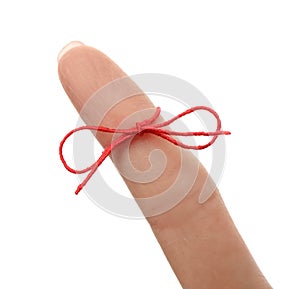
(200, 241)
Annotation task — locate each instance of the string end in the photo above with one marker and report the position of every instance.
(79, 188)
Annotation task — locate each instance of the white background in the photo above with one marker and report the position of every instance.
(243, 55)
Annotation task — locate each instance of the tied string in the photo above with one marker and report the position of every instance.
(145, 126)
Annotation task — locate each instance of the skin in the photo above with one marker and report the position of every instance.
(200, 241)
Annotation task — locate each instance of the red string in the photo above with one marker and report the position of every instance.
(145, 126)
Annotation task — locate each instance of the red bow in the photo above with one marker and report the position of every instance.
(145, 126)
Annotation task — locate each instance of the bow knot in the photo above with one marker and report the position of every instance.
(141, 127)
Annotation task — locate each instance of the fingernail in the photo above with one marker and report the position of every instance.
(68, 47)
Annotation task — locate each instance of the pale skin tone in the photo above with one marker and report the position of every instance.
(200, 241)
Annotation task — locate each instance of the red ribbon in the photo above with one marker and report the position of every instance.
(145, 126)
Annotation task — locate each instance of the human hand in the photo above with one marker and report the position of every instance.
(200, 241)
